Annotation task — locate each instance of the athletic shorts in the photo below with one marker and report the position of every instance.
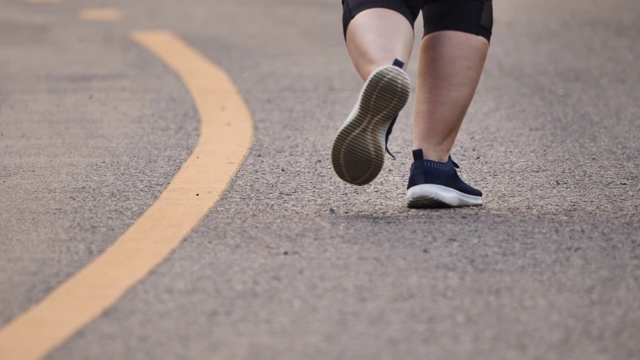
(471, 16)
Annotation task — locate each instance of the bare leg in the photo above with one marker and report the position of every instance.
(376, 37)
(449, 71)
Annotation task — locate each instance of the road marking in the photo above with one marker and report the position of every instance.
(100, 14)
(226, 135)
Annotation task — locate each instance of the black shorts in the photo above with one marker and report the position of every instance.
(471, 16)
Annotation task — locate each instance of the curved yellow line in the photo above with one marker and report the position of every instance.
(101, 14)
(226, 135)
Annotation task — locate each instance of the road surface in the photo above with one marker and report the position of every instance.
(291, 263)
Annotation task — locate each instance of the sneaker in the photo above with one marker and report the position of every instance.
(358, 149)
(437, 184)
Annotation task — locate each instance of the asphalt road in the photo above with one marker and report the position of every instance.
(291, 263)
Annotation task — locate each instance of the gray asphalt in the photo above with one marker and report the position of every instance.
(292, 263)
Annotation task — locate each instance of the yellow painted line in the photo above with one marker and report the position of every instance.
(226, 135)
(101, 14)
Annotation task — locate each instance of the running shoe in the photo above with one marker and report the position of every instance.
(437, 184)
(359, 148)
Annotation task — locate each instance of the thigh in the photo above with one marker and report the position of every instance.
(470, 16)
(407, 8)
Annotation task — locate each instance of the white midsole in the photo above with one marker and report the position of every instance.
(446, 195)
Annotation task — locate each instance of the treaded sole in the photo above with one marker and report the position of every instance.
(437, 196)
(358, 149)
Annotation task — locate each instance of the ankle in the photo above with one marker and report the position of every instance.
(430, 154)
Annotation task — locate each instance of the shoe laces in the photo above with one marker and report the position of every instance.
(388, 134)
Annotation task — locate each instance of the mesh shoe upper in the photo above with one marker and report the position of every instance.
(437, 173)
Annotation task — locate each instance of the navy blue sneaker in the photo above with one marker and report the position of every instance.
(359, 147)
(437, 184)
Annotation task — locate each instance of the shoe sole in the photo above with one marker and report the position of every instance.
(358, 149)
(435, 196)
